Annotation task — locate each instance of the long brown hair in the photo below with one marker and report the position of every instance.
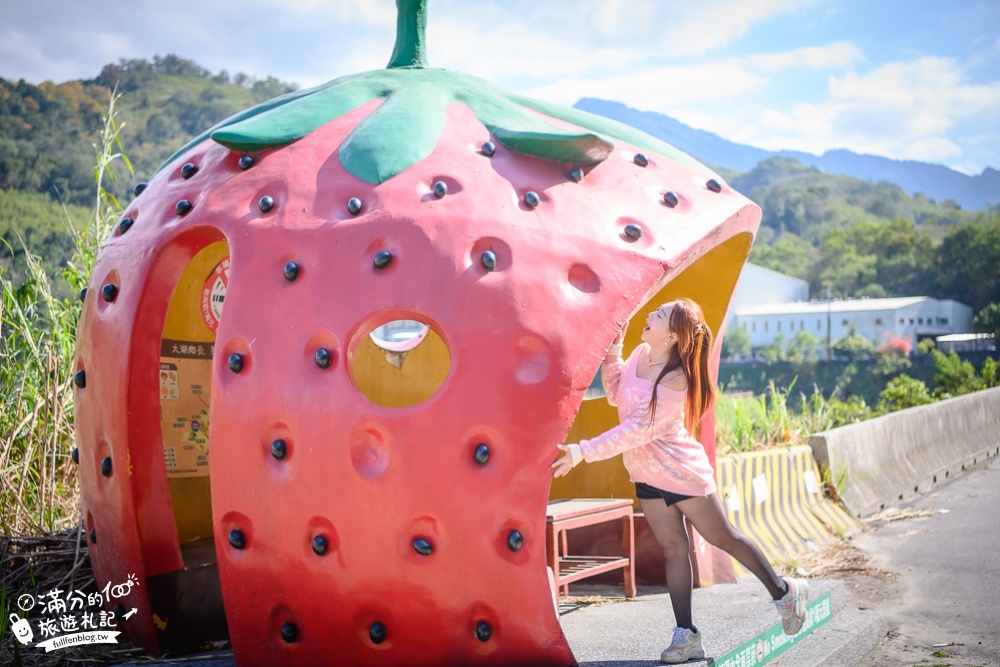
(691, 355)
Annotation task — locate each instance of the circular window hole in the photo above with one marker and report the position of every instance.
(400, 363)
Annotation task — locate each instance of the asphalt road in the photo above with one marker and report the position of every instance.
(946, 610)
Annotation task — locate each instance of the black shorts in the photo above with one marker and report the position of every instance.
(647, 492)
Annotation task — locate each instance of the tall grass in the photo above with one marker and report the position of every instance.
(746, 423)
(38, 487)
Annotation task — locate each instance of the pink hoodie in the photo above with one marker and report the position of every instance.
(664, 456)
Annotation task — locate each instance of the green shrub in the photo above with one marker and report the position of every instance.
(851, 410)
(955, 376)
(903, 392)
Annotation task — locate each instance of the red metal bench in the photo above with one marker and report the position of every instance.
(565, 515)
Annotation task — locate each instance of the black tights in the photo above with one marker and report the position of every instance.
(709, 519)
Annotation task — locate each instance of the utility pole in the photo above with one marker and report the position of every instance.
(829, 302)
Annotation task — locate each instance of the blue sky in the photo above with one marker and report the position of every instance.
(907, 80)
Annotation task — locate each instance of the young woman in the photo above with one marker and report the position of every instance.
(662, 391)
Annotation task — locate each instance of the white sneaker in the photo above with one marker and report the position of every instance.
(792, 607)
(686, 645)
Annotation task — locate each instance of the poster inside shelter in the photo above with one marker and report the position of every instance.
(185, 388)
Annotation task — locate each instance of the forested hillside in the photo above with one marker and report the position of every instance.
(859, 239)
(47, 136)
(47, 131)
(849, 235)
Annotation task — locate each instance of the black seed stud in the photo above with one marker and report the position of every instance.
(354, 206)
(320, 545)
(106, 466)
(422, 547)
(183, 207)
(124, 225)
(489, 148)
(483, 631)
(80, 379)
(279, 449)
(382, 259)
(290, 632)
(246, 162)
(489, 260)
(83, 294)
(377, 632)
(641, 160)
(119, 612)
(235, 362)
(188, 170)
(291, 272)
(440, 189)
(633, 232)
(576, 174)
(670, 198)
(515, 540)
(139, 187)
(713, 185)
(266, 203)
(109, 292)
(323, 358)
(75, 455)
(93, 536)
(237, 539)
(531, 199)
(482, 454)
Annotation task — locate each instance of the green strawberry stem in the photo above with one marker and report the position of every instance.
(411, 25)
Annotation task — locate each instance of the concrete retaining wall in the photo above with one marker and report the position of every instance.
(897, 456)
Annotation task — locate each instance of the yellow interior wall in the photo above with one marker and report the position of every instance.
(191, 496)
(421, 374)
(710, 281)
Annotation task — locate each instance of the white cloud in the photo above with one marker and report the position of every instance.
(705, 26)
(931, 149)
(23, 57)
(341, 12)
(836, 55)
(660, 89)
(899, 110)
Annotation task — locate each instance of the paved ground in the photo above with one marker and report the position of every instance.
(944, 609)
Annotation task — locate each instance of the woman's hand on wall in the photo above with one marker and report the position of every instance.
(620, 338)
(572, 457)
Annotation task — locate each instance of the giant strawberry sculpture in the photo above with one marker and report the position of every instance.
(348, 531)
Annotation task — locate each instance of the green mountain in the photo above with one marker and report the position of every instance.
(47, 131)
(853, 236)
(934, 180)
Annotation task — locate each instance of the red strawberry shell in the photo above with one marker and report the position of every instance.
(525, 332)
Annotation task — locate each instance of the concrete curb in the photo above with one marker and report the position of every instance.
(843, 642)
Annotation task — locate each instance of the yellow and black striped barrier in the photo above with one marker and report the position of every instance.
(776, 497)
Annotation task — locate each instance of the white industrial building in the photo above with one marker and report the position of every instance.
(767, 303)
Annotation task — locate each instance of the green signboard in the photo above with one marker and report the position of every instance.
(773, 642)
